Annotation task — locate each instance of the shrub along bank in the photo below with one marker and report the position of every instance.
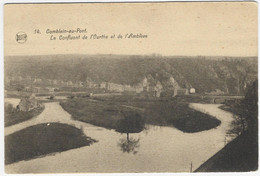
(12, 116)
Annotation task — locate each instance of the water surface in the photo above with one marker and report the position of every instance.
(156, 149)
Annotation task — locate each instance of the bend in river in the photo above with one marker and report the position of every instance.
(157, 149)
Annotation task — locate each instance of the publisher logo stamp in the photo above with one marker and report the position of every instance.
(21, 37)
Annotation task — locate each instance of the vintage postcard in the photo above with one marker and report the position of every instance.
(154, 87)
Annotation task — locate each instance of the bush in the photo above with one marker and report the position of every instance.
(12, 116)
(9, 108)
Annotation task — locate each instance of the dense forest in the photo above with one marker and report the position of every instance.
(231, 75)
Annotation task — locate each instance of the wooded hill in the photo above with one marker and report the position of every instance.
(231, 75)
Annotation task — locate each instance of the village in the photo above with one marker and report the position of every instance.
(28, 87)
(148, 85)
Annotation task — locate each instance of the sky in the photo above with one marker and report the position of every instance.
(190, 28)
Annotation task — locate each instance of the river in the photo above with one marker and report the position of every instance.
(158, 149)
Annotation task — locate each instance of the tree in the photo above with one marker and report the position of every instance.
(132, 122)
(246, 118)
(251, 105)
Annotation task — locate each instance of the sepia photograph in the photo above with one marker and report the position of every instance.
(141, 87)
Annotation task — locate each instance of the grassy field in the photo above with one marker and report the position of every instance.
(43, 139)
(180, 116)
(97, 113)
(13, 117)
(109, 111)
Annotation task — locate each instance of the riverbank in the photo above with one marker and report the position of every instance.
(173, 150)
(109, 111)
(43, 139)
(179, 115)
(12, 116)
(240, 155)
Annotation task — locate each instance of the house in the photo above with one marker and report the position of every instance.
(40, 90)
(180, 91)
(50, 89)
(151, 83)
(192, 90)
(55, 82)
(144, 82)
(28, 104)
(115, 87)
(28, 89)
(37, 80)
(139, 88)
(173, 83)
(90, 83)
(128, 88)
(70, 83)
(158, 89)
(102, 85)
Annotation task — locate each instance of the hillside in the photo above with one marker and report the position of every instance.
(228, 74)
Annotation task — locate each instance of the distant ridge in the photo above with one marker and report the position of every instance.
(230, 75)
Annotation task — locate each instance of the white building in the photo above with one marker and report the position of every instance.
(192, 90)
